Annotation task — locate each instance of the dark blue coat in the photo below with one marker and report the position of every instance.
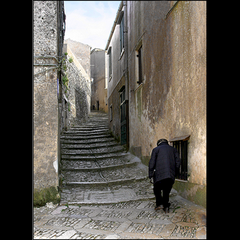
(164, 161)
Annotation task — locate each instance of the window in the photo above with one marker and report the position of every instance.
(123, 116)
(111, 113)
(121, 33)
(110, 63)
(181, 144)
(139, 56)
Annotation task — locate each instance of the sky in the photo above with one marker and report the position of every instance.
(90, 22)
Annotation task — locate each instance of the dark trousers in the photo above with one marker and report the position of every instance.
(164, 186)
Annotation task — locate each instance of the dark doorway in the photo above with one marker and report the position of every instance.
(65, 114)
(97, 105)
(123, 116)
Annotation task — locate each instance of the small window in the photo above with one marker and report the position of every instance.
(139, 56)
(110, 62)
(111, 113)
(181, 144)
(122, 33)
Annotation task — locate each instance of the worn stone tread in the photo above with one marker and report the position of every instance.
(97, 169)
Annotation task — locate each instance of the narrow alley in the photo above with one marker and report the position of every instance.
(100, 109)
(105, 194)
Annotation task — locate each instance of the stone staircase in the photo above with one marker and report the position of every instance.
(95, 169)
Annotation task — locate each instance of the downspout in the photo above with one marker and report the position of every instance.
(126, 69)
(60, 14)
(59, 100)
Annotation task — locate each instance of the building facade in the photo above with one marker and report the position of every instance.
(77, 94)
(81, 52)
(49, 29)
(156, 60)
(116, 72)
(98, 86)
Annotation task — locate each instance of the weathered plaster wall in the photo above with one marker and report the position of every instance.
(114, 101)
(171, 101)
(99, 90)
(147, 28)
(45, 102)
(117, 80)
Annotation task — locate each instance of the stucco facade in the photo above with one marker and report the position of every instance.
(99, 85)
(116, 75)
(170, 100)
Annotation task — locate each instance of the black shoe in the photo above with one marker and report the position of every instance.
(158, 207)
(166, 209)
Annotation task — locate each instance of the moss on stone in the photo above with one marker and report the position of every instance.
(191, 191)
(145, 160)
(41, 197)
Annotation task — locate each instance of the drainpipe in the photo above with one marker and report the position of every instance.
(126, 69)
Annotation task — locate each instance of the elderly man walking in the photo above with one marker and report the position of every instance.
(163, 165)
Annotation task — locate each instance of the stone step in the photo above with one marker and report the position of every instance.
(93, 157)
(105, 175)
(87, 141)
(107, 193)
(108, 183)
(96, 169)
(91, 166)
(86, 132)
(109, 163)
(89, 145)
(90, 127)
(93, 151)
(123, 158)
(93, 125)
(85, 137)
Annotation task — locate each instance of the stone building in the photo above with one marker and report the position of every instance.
(62, 94)
(99, 85)
(81, 52)
(116, 72)
(156, 73)
(48, 37)
(77, 96)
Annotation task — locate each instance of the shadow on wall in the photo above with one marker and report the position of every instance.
(81, 104)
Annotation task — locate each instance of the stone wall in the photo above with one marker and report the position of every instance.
(47, 15)
(79, 93)
(81, 52)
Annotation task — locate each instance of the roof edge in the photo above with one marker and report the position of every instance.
(114, 24)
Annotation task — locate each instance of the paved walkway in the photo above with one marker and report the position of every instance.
(127, 220)
(96, 169)
(105, 194)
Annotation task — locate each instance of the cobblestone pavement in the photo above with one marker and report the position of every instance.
(106, 194)
(126, 220)
(96, 169)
